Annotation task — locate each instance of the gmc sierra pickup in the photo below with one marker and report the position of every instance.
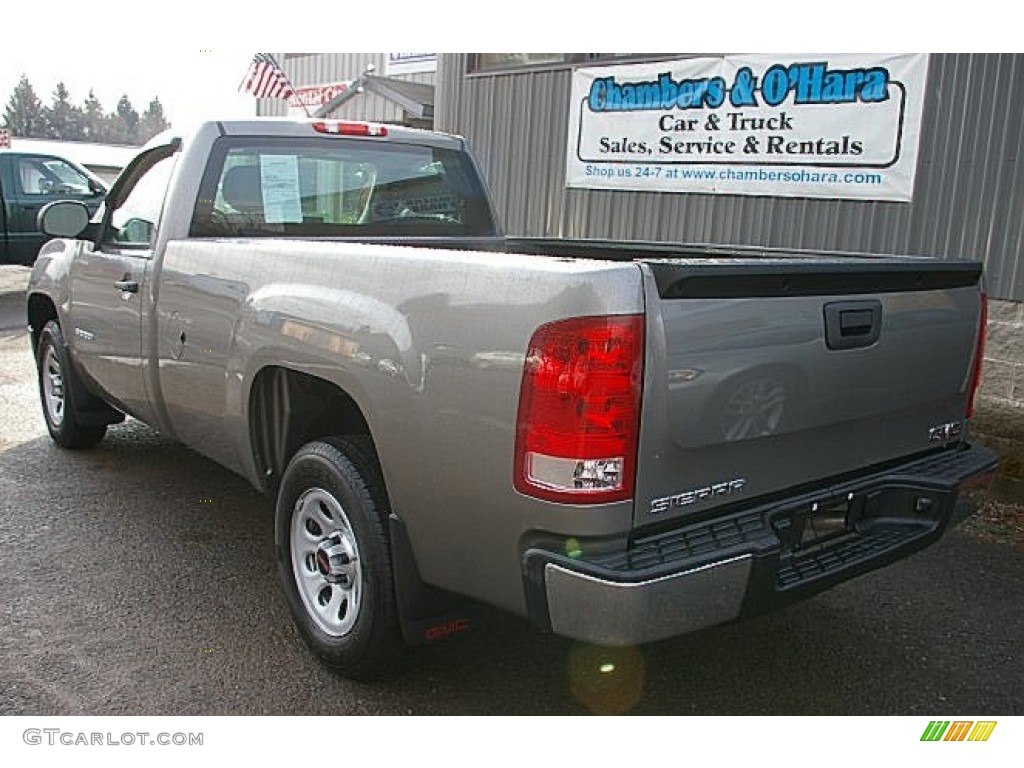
(621, 441)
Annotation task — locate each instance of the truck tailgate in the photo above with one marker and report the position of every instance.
(767, 374)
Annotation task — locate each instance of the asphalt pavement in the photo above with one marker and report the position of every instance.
(139, 578)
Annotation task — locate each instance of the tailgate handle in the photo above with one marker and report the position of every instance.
(855, 322)
(852, 324)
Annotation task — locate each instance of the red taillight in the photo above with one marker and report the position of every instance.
(979, 355)
(579, 410)
(347, 128)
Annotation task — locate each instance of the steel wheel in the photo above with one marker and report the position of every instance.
(334, 557)
(326, 563)
(62, 397)
(53, 387)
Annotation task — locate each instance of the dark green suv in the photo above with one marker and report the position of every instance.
(28, 181)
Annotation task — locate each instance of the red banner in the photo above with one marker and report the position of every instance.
(317, 95)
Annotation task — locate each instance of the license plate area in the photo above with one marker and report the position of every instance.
(826, 536)
(823, 522)
(817, 524)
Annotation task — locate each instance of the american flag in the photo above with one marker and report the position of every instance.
(265, 79)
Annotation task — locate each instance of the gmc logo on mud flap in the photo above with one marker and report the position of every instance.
(444, 630)
(697, 495)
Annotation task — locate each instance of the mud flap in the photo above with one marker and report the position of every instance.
(426, 613)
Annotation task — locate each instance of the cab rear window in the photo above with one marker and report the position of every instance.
(333, 187)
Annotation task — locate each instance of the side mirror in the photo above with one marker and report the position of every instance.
(96, 188)
(63, 218)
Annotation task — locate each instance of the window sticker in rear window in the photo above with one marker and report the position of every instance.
(279, 183)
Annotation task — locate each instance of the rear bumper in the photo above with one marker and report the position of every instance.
(747, 561)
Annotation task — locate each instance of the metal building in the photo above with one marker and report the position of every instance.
(968, 198)
(384, 87)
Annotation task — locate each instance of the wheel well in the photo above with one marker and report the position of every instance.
(287, 409)
(40, 311)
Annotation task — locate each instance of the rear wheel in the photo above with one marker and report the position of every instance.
(334, 560)
(58, 390)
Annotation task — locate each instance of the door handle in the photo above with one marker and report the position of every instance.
(128, 286)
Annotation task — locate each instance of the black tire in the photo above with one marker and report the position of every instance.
(60, 392)
(352, 549)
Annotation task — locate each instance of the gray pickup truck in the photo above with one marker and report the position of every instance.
(621, 441)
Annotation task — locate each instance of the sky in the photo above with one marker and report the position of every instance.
(191, 84)
(193, 55)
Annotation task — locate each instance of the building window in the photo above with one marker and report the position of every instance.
(501, 62)
(483, 62)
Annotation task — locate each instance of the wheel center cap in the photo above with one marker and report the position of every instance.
(335, 560)
(323, 562)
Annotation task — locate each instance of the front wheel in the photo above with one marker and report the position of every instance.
(334, 561)
(57, 391)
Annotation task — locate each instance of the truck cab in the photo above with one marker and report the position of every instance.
(28, 181)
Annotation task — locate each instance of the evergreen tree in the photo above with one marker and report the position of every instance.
(93, 123)
(153, 121)
(24, 114)
(125, 122)
(28, 118)
(64, 120)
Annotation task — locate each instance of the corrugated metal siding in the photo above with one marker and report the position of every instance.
(327, 68)
(968, 197)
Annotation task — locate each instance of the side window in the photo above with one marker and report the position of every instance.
(134, 221)
(51, 177)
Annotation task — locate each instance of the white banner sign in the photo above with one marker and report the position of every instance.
(839, 126)
(410, 63)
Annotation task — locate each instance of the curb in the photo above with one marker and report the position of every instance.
(13, 283)
(13, 279)
(12, 303)
(12, 297)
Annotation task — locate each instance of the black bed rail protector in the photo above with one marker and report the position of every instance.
(729, 281)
